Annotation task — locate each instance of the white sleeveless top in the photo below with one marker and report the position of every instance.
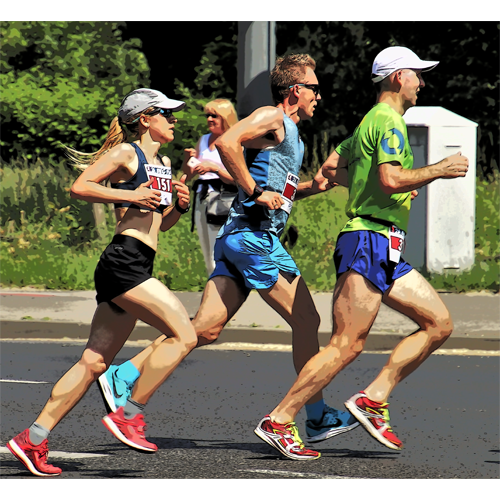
(206, 154)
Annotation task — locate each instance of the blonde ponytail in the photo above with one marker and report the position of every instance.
(116, 135)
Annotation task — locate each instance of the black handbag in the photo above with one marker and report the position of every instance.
(218, 205)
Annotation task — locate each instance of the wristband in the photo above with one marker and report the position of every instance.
(182, 210)
(257, 191)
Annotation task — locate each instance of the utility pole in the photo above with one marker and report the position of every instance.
(256, 59)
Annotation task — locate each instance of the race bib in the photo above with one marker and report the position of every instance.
(288, 195)
(162, 181)
(396, 243)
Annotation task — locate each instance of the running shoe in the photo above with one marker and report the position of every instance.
(33, 457)
(114, 390)
(285, 438)
(332, 423)
(129, 431)
(374, 417)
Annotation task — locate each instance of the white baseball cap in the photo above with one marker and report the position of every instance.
(396, 58)
(141, 99)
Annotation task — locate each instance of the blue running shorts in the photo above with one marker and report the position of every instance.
(253, 259)
(367, 253)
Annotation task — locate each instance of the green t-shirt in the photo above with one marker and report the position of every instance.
(381, 137)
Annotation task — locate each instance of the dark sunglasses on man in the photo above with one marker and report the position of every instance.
(311, 86)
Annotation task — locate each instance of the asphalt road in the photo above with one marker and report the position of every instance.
(202, 419)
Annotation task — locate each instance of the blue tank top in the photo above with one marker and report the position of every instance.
(140, 177)
(270, 169)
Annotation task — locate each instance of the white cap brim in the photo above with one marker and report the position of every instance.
(422, 66)
(172, 104)
(395, 58)
(141, 99)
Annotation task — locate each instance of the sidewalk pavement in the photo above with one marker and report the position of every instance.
(30, 314)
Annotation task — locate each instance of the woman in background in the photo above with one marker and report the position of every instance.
(213, 177)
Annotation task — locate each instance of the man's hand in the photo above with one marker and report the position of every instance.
(453, 166)
(414, 194)
(270, 199)
(321, 183)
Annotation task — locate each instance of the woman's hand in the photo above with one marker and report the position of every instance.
(188, 154)
(206, 166)
(146, 197)
(182, 191)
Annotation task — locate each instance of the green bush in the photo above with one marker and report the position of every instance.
(63, 82)
(36, 193)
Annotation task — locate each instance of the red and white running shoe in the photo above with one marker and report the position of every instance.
(129, 431)
(374, 417)
(285, 438)
(33, 457)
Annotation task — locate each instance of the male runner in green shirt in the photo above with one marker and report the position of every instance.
(376, 163)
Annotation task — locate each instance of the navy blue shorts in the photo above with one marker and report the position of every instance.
(367, 253)
(253, 259)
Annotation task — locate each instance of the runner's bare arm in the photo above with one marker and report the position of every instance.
(250, 132)
(88, 188)
(319, 184)
(394, 179)
(335, 169)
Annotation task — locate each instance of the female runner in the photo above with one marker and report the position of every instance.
(141, 189)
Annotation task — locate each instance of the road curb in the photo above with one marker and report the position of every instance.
(376, 341)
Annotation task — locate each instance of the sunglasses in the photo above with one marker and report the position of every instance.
(167, 113)
(314, 87)
(211, 115)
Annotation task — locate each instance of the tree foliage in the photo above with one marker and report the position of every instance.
(466, 81)
(215, 78)
(63, 82)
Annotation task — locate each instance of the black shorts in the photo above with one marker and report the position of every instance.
(126, 263)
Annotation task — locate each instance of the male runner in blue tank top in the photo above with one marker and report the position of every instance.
(263, 153)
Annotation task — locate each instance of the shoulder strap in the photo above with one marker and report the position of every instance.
(140, 153)
(204, 142)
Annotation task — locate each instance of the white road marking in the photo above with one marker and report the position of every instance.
(61, 454)
(247, 346)
(296, 474)
(23, 381)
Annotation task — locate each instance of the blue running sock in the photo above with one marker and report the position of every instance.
(315, 410)
(128, 372)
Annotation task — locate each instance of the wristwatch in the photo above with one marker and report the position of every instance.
(182, 210)
(257, 191)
